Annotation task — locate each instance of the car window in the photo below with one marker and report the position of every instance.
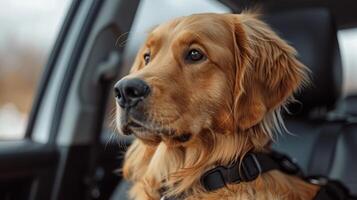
(348, 46)
(28, 31)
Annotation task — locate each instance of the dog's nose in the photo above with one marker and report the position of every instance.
(129, 92)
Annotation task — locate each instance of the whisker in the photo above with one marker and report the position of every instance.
(122, 43)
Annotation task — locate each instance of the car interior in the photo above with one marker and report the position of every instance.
(71, 150)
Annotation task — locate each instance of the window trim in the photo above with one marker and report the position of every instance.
(49, 66)
(72, 66)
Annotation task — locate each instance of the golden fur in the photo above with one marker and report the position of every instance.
(229, 103)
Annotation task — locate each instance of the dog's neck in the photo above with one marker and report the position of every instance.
(179, 168)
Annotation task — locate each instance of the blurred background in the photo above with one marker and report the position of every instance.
(28, 31)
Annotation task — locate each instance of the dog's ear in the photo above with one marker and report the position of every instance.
(267, 71)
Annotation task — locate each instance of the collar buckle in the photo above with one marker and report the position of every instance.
(248, 170)
(214, 179)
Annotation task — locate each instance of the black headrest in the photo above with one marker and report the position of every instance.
(313, 34)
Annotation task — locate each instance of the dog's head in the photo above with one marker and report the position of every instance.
(220, 73)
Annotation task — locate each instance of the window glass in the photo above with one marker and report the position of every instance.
(28, 31)
(348, 46)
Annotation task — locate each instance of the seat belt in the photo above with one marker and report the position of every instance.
(324, 149)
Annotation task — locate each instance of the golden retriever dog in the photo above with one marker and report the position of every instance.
(205, 90)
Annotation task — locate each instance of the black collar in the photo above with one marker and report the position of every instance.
(247, 169)
(244, 170)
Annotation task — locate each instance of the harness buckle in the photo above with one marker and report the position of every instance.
(317, 180)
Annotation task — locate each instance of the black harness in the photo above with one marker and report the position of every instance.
(254, 164)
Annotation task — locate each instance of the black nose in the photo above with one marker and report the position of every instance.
(129, 92)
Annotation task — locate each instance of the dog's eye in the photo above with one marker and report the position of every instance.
(147, 58)
(194, 55)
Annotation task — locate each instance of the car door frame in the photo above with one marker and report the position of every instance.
(44, 165)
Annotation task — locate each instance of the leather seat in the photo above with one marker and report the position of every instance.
(321, 143)
(348, 106)
(313, 34)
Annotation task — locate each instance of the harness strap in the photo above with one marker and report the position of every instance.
(254, 164)
(333, 190)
